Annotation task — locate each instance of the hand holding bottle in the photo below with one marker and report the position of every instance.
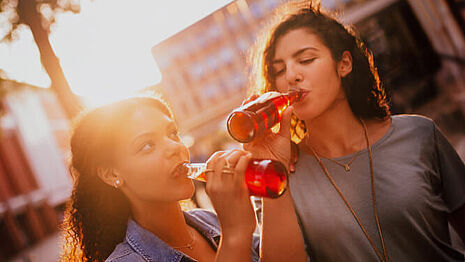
(229, 193)
(255, 117)
(274, 146)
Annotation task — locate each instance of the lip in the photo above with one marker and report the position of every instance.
(304, 94)
(177, 169)
(299, 89)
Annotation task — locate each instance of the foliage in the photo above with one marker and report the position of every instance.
(13, 12)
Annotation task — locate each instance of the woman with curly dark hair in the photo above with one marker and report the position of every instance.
(126, 160)
(367, 186)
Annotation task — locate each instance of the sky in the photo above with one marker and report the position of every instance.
(105, 50)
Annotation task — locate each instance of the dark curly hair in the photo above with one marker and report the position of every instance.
(97, 214)
(363, 89)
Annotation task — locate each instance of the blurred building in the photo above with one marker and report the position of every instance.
(203, 69)
(34, 180)
(418, 47)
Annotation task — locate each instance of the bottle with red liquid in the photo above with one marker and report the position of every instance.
(264, 177)
(253, 118)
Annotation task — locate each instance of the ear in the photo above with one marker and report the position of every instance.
(107, 175)
(344, 66)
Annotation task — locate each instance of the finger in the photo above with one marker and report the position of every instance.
(294, 157)
(291, 168)
(285, 130)
(214, 156)
(211, 163)
(229, 153)
(233, 157)
(214, 177)
(219, 166)
(241, 168)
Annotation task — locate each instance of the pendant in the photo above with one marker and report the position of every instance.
(347, 168)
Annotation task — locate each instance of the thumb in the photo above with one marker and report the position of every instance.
(285, 123)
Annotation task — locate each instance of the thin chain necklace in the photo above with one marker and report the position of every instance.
(189, 245)
(382, 257)
(345, 166)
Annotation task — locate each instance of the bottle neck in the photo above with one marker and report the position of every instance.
(293, 96)
(196, 170)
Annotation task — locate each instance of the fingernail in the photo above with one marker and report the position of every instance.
(292, 168)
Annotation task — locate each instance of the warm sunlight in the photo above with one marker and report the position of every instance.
(105, 52)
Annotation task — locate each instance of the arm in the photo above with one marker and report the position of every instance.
(234, 248)
(230, 198)
(281, 238)
(457, 220)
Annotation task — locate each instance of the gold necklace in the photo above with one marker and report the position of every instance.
(189, 245)
(382, 257)
(345, 166)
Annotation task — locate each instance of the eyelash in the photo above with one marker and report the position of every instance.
(143, 147)
(307, 61)
(174, 135)
(303, 62)
(279, 72)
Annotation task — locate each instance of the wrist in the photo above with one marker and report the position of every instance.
(236, 240)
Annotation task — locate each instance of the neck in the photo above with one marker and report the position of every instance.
(336, 132)
(165, 220)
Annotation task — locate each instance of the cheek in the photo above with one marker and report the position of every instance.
(144, 178)
(281, 84)
(159, 187)
(141, 172)
(147, 165)
(150, 180)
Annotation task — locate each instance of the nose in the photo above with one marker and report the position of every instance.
(293, 76)
(174, 148)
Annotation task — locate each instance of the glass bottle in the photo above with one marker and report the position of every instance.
(264, 177)
(253, 118)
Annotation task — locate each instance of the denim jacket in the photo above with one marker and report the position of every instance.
(142, 245)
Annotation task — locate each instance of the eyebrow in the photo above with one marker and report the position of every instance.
(297, 53)
(139, 136)
(169, 126)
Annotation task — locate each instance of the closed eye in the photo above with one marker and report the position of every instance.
(280, 72)
(307, 61)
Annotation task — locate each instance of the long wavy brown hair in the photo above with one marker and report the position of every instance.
(96, 215)
(366, 95)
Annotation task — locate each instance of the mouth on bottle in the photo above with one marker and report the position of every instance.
(180, 170)
(301, 93)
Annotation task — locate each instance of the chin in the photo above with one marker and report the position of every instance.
(306, 112)
(189, 190)
(302, 113)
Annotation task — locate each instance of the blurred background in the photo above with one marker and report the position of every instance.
(57, 57)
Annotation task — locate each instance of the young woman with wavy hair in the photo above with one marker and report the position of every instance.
(128, 184)
(368, 185)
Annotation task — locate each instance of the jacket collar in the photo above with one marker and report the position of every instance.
(152, 248)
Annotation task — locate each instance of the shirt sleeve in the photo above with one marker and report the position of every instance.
(452, 170)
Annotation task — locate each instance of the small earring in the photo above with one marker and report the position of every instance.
(117, 183)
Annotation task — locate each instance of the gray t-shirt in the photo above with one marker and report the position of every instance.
(419, 179)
